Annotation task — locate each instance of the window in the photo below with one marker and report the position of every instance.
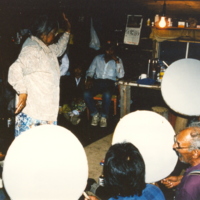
(170, 51)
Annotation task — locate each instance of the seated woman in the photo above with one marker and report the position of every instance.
(124, 176)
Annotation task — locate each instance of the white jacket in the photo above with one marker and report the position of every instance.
(36, 72)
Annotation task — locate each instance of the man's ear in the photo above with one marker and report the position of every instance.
(196, 153)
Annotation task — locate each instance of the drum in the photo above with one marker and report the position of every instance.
(153, 135)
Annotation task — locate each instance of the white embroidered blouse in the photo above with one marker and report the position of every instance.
(36, 72)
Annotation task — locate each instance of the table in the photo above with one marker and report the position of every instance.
(125, 94)
(125, 99)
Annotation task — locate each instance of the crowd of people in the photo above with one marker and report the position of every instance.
(124, 172)
(38, 79)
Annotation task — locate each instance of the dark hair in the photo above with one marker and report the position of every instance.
(108, 46)
(124, 170)
(44, 24)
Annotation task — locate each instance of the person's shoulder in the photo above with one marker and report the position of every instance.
(153, 191)
(150, 192)
(193, 178)
(152, 187)
(30, 44)
(190, 185)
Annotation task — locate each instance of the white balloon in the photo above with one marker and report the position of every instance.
(180, 86)
(45, 163)
(153, 135)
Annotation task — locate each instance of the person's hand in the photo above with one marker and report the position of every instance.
(68, 29)
(91, 198)
(171, 181)
(89, 83)
(114, 57)
(22, 103)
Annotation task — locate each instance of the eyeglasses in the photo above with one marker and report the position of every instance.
(178, 144)
(178, 147)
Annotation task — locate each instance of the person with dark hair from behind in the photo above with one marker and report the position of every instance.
(35, 75)
(101, 77)
(124, 176)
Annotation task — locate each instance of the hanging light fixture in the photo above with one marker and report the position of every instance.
(162, 23)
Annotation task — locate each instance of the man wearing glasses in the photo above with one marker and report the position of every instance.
(187, 146)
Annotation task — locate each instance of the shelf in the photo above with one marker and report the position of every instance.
(175, 28)
(175, 33)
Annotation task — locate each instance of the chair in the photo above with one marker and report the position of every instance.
(99, 98)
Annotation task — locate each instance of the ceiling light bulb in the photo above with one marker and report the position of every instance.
(162, 22)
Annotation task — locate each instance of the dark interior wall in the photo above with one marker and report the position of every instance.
(109, 18)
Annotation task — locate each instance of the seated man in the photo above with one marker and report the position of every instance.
(124, 176)
(73, 103)
(187, 146)
(101, 77)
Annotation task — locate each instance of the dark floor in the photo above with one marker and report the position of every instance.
(86, 133)
(142, 99)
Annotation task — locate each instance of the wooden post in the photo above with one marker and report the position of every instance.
(125, 97)
(156, 49)
(180, 124)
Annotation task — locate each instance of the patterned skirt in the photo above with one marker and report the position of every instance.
(23, 122)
